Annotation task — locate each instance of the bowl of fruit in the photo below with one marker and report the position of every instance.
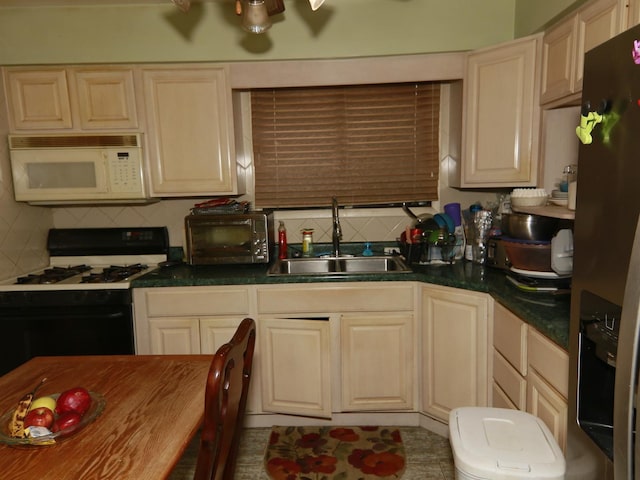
(47, 419)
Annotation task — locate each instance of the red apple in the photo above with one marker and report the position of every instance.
(66, 420)
(76, 399)
(39, 417)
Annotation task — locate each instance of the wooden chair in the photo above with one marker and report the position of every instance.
(225, 404)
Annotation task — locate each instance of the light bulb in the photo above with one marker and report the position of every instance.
(315, 4)
(255, 18)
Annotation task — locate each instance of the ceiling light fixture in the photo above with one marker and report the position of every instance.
(255, 17)
(255, 13)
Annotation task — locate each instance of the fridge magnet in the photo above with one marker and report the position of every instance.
(636, 52)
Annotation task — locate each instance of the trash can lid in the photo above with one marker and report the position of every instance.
(501, 443)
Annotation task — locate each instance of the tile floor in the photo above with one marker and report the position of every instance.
(428, 456)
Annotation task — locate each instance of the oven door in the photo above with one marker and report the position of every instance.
(71, 330)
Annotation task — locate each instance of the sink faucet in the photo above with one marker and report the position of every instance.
(337, 229)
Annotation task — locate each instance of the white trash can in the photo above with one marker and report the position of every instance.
(503, 444)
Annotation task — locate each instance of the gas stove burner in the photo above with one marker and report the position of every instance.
(52, 275)
(114, 273)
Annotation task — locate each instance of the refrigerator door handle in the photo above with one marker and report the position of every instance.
(626, 367)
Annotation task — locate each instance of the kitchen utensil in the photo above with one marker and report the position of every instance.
(445, 221)
(453, 210)
(496, 254)
(524, 226)
(417, 219)
(529, 197)
(524, 255)
(562, 252)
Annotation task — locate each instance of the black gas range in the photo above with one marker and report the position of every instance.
(81, 303)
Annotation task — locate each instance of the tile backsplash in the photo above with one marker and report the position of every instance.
(357, 224)
(23, 228)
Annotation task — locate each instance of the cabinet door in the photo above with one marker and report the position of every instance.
(565, 44)
(597, 23)
(502, 115)
(558, 60)
(106, 98)
(296, 361)
(38, 99)
(633, 13)
(190, 119)
(454, 360)
(377, 362)
(545, 402)
(215, 332)
(174, 336)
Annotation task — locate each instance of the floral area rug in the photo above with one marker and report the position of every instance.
(334, 453)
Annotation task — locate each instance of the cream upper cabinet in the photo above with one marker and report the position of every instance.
(191, 135)
(455, 344)
(73, 99)
(501, 116)
(377, 361)
(565, 44)
(633, 13)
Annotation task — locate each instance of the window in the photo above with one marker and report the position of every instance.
(366, 145)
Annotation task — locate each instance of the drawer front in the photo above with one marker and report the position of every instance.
(199, 301)
(500, 399)
(550, 361)
(510, 337)
(509, 380)
(371, 297)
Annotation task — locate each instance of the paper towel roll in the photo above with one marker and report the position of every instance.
(573, 187)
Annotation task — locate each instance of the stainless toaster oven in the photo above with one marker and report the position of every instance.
(239, 238)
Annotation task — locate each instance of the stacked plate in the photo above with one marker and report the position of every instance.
(559, 198)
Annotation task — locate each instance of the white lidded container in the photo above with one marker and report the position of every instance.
(503, 444)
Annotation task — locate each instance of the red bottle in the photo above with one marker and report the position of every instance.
(282, 240)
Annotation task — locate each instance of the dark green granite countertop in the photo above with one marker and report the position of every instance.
(547, 313)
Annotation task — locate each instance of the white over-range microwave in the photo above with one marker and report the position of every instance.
(70, 169)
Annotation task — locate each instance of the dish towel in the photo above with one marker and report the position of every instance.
(334, 453)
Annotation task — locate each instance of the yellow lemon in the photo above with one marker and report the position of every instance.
(48, 402)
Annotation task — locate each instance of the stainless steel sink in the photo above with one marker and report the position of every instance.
(338, 266)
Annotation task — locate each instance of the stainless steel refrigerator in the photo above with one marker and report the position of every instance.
(605, 299)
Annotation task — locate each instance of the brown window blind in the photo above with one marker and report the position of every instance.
(365, 145)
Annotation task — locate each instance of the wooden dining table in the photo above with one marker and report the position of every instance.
(154, 406)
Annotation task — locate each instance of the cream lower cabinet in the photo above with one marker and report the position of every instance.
(501, 116)
(191, 320)
(371, 350)
(455, 342)
(548, 384)
(191, 135)
(377, 361)
(530, 372)
(509, 386)
(296, 366)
